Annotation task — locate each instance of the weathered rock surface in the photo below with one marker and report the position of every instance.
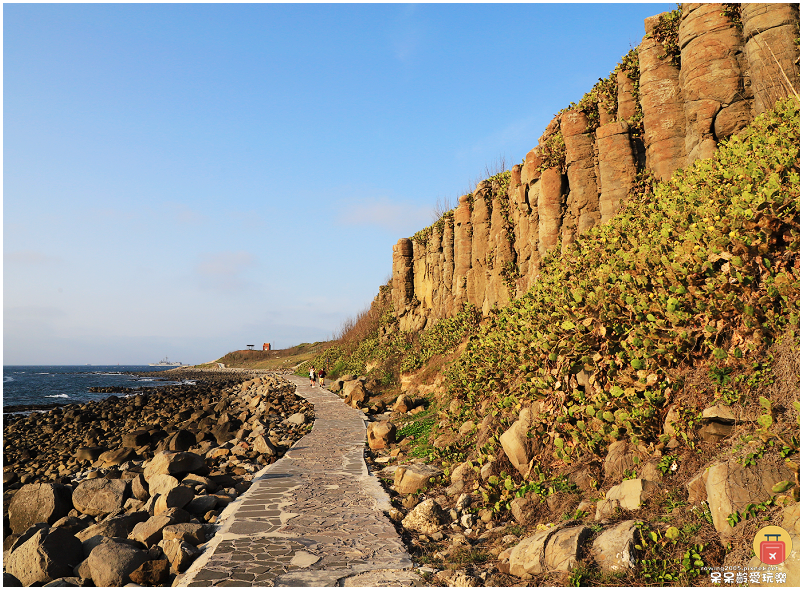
(47, 555)
(731, 487)
(410, 478)
(565, 548)
(427, 518)
(100, 496)
(614, 548)
(38, 502)
(112, 562)
(516, 443)
(631, 493)
(380, 434)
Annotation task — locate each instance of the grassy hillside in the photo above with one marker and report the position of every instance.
(701, 270)
(288, 358)
(688, 298)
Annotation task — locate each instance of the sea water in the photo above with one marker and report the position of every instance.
(40, 384)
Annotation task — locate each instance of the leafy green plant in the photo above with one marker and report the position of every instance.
(750, 511)
(697, 271)
(666, 463)
(666, 33)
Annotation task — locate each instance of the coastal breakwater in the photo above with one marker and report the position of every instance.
(129, 488)
(667, 109)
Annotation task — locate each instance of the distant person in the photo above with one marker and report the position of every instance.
(312, 377)
(322, 377)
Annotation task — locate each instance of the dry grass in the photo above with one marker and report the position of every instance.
(355, 329)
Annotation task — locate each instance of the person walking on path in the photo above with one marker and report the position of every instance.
(312, 377)
(322, 377)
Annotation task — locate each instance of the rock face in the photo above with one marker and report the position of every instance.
(426, 518)
(44, 557)
(516, 443)
(410, 478)
(769, 31)
(489, 248)
(112, 562)
(711, 78)
(38, 502)
(380, 434)
(100, 496)
(614, 548)
(731, 487)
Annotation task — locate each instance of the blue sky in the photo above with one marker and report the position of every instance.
(187, 179)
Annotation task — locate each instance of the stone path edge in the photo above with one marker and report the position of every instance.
(387, 564)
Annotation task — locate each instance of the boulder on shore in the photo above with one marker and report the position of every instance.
(38, 502)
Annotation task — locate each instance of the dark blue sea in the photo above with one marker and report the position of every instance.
(40, 384)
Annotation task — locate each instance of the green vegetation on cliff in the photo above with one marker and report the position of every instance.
(700, 269)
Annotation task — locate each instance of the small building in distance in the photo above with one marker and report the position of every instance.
(266, 346)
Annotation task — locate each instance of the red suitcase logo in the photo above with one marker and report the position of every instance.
(773, 552)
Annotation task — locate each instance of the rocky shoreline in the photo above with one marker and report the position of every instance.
(127, 489)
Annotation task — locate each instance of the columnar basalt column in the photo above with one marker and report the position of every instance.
(551, 205)
(402, 275)
(617, 167)
(478, 275)
(462, 249)
(583, 200)
(502, 254)
(447, 268)
(769, 31)
(711, 78)
(433, 271)
(420, 251)
(626, 103)
(662, 107)
(527, 242)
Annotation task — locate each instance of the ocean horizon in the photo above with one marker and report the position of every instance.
(65, 384)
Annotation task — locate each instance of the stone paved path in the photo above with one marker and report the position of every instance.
(313, 518)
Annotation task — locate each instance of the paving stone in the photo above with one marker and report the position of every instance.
(320, 485)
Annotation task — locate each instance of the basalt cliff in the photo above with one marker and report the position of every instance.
(700, 75)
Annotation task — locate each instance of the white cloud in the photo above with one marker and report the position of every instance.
(407, 37)
(30, 257)
(225, 270)
(186, 215)
(396, 216)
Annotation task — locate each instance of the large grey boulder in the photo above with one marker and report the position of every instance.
(263, 446)
(192, 533)
(100, 496)
(179, 553)
(516, 443)
(38, 502)
(411, 478)
(47, 555)
(731, 487)
(150, 532)
(380, 434)
(355, 394)
(426, 518)
(173, 463)
(177, 497)
(565, 548)
(140, 488)
(113, 526)
(201, 504)
(615, 548)
(527, 557)
(112, 562)
(151, 573)
(162, 483)
(631, 493)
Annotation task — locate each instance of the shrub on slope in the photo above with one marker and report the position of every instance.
(703, 267)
